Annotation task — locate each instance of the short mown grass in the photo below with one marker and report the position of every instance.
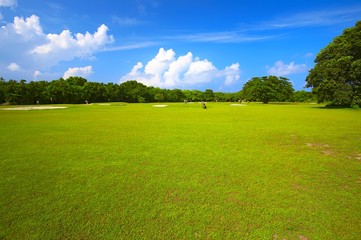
(132, 171)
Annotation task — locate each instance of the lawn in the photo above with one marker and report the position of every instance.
(135, 171)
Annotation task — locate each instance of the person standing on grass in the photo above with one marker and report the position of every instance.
(204, 105)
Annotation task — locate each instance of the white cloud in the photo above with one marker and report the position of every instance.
(13, 67)
(232, 74)
(36, 74)
(176, 68)
(66, 46)
(23, 41)
(79, 72)
(134, 71)
(160, 63)
(200, 71)
(28, 28)
(8, 3)
(282, 69)
(167, 71)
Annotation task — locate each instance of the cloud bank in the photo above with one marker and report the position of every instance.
(24, 43)
(167, 71)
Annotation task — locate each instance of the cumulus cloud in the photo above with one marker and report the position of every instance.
(167, 71)
(65, 46)
(23, 41)
(160, 63)
(282, 69)
(27, 28)
(79, 72)
(13, 67)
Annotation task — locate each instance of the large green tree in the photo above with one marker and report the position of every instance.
(133, 91)
(336, 77)
(268, 89)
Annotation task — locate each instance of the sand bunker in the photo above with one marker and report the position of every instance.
(238, 105)
(33, 108)
(160, 106)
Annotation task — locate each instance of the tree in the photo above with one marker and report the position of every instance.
(2, 90)
(303, 96)
(268, 89)
(208, 95)
(37, 92)
(56, 91)
(336, 76)
(159, 97)
(73, 88)
(133, 91)
(15, 92)
(175, 95)
(193, 95)
(113, 92)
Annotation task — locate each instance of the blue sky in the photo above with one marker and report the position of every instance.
(186, 44)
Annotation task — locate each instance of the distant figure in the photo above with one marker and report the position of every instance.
(86, 101)
(204, 105)
(37, 102)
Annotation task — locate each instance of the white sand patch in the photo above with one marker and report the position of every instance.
(160, 106)
(238, 105)
(104, 104)
(33, 108)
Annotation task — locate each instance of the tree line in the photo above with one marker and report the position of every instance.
(75, 90)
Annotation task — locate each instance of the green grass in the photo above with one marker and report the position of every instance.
(131, 171)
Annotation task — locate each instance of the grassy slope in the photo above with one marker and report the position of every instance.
(181, 172)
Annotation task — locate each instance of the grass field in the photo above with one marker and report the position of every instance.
(134, 171)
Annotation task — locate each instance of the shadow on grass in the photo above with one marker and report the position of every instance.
(336, 107)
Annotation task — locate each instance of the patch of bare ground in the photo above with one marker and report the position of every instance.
(298, 187)
(276, 237)
(318, 145)
(327, 152)
(160, 106)
(324, 148)
(238, 105)
(356, 156)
